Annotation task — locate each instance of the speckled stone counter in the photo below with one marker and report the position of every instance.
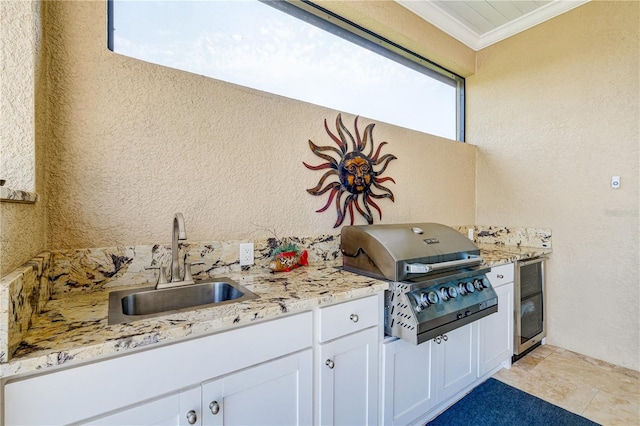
(497, 254)
(73, 328)
(15, 196)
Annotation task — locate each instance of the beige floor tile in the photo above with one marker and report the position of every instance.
(600, 391)
(552, 388)
(589, 373)
(543, 351)
(610, 410)
(628, 372)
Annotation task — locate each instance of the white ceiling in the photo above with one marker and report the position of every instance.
(480, 23)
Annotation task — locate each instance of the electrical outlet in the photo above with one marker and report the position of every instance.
(615, 182)
(246, 254)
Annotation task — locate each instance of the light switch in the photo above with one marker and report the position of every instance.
(615, 182)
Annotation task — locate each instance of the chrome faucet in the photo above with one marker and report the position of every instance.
(178, 233)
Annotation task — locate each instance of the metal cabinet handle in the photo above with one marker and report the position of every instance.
(214, 407)
(354, 318)
(500, 276)
(441, 338)
(192, 417)
(330, 364)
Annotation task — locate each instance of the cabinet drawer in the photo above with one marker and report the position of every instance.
(344, 318)
(500, 275)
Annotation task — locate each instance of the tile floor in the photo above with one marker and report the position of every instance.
(602, 392)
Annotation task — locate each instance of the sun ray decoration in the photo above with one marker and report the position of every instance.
(354, 171)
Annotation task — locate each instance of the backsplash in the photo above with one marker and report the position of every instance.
(103, 268)
(510, 236)
(51, 275)
(23, 293)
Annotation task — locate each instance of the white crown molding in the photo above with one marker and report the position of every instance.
(442, 20)
(450, 25)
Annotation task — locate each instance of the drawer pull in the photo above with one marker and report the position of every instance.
(330, 364)
(354, 318)
(214, 407)
(192, 417)
(500, 276)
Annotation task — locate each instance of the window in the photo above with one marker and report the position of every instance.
(306, 53)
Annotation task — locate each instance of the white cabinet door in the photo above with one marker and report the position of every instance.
(278, 392)
(496, 333)
(457, 361)
(417, 378)
(180, 409)
(408, 385)
(348, 379)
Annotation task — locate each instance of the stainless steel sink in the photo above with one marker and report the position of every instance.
(141, 303)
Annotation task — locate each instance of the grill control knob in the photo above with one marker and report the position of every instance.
(462, 289)
(424, 297)
(478, 285)
(433, 297)
(453, 292)
(469, 286)
(447, 293)
(444, 294)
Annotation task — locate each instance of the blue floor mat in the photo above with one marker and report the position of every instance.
(494, 403)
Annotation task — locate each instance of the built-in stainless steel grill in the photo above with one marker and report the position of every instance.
(436, 281)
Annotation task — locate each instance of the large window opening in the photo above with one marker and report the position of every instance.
(294, 49)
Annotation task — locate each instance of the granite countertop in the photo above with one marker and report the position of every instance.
(497, 254)
(73, 328)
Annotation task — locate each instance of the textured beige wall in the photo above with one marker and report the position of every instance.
(22, 159)
(131, 143)
(17, 62)
(555, 113)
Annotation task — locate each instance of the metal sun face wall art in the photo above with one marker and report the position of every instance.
(354, 170)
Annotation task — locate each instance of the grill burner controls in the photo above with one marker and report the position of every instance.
(425, 298)
(435, 307)
(448, 293)
(466, 288)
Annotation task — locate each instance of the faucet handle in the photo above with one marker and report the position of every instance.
(187, 269)
(162, 276)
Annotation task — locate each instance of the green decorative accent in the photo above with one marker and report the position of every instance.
(285, 248)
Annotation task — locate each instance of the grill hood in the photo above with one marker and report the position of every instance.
(398, 252)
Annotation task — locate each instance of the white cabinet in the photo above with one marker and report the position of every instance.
(408, 386)
(278, 392)
(348, 380)
(135, 385)
(456, 366)
(180, 409)
(496, 330)
(418, 378)
(347, 362)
